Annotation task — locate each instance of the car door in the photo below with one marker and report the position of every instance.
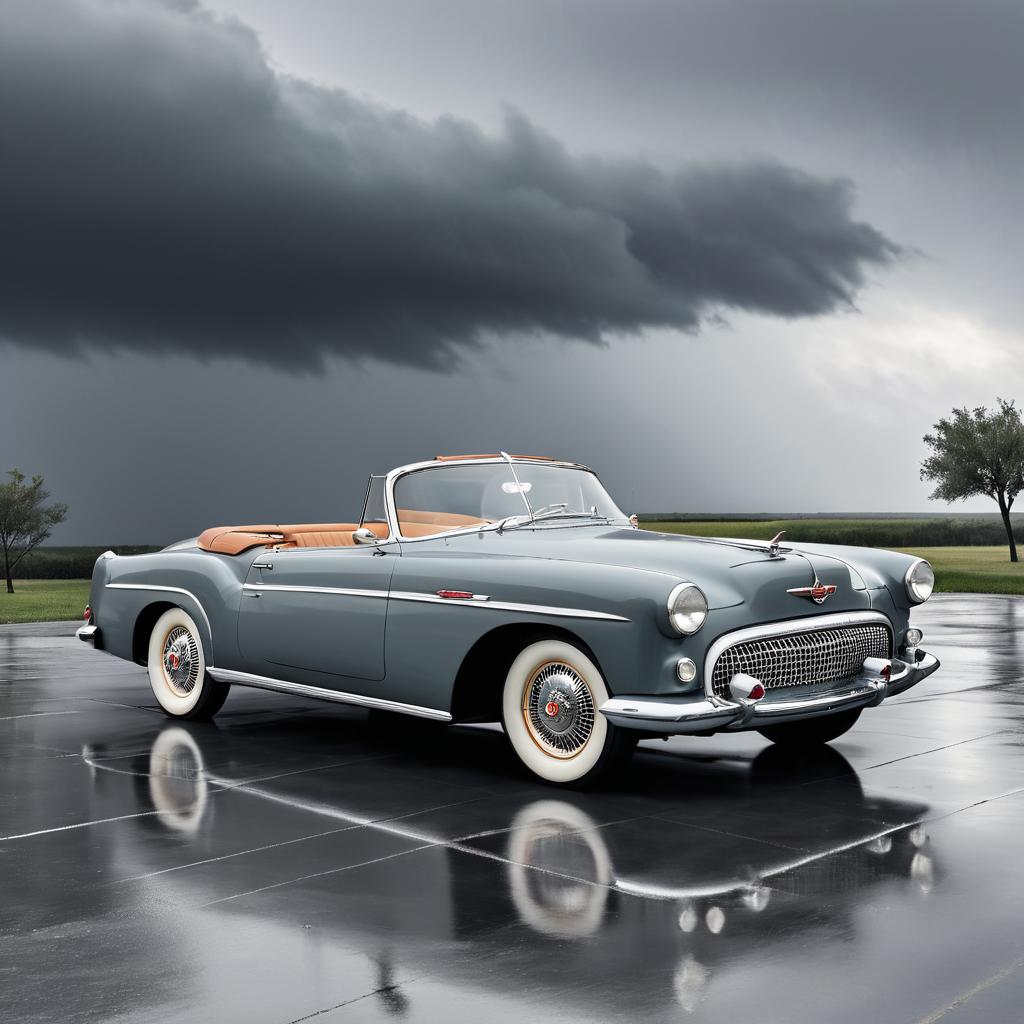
(317, 610)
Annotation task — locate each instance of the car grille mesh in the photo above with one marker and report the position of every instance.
(798, 659)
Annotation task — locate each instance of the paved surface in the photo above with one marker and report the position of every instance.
(299, 859)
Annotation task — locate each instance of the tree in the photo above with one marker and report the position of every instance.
(25, 519)
(977, 452)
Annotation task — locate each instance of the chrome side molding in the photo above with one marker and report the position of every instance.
(230, 675)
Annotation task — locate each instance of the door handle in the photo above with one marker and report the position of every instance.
(262, 565)
(250, 593)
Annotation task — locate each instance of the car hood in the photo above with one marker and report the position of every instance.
(729, 572)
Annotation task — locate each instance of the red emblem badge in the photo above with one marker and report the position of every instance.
(551, 708)
(817, 593)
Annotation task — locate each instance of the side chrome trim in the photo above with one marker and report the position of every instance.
(509, 606)
(167, 590)
(229, 675)
(292, 589)
(471, 602)
(834, 620)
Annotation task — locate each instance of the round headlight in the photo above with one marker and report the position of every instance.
(687, 608)
(920, 581)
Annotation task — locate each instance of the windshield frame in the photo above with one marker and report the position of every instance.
(396, 474)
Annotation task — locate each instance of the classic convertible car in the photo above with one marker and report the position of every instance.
(496, 587)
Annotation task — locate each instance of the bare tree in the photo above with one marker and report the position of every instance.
(25, 519)
(977, 452)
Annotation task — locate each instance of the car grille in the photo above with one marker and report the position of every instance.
(798, 659)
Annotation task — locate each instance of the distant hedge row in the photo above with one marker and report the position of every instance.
(884, 533)
(67, 563)
(906, 534)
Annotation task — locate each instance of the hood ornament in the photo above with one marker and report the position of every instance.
(818, 593)
(773, 544)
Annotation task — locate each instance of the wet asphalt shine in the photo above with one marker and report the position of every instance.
(299, 860)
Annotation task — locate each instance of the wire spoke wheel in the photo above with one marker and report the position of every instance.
(558, 709)
(181, 661)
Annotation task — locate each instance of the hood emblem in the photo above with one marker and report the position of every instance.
(817, 593)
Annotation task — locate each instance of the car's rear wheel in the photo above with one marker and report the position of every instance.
(177, 669)
(813, 731)
(550, 713)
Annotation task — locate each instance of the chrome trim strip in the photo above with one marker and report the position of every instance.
(806, 625)
(229, 675)
(510, 606)
(288, 588)
(169, 590)
(471, 602)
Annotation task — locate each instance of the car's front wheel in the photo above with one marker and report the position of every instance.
(813, 731)
(177, 669)
(550, 713)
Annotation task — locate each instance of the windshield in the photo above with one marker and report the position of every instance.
(448, 497)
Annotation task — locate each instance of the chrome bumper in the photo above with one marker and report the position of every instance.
(673, 715)
(89, 635)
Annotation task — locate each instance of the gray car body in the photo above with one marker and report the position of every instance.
(364, 624)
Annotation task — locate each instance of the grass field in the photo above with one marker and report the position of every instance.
(44, 600)
(963, 570)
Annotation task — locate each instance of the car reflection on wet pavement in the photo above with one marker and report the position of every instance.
(299, 859)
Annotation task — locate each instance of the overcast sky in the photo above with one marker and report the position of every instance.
(738, 256)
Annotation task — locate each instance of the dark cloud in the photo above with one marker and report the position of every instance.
(161, 187)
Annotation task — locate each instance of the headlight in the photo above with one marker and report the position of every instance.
(687, 608)
(920, 581)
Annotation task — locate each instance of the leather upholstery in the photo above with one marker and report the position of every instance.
(232, 540)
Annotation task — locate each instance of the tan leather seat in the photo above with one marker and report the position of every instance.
(418, 523)
(233, 540)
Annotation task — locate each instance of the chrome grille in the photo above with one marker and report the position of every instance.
(797, 659)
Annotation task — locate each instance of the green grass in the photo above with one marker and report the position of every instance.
(44, 600)
(973, 570)
(958, 569)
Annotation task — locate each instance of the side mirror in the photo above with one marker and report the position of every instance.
(365, 536)
(634, 521)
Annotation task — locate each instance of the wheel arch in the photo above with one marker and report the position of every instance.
(147, 619)
(489, 660)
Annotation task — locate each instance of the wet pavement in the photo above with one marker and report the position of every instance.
(297, 859)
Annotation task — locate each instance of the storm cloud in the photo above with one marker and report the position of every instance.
(163, 188)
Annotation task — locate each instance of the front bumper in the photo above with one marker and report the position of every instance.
(673, 715)
(91, 635)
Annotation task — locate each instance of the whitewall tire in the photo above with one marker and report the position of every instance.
(177, 668)
(550, 713)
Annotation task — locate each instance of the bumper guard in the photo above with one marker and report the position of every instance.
(673, 715)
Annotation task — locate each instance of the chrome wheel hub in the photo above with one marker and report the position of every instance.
(181, 661)
(559, 709)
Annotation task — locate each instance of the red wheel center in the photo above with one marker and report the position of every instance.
(173, 659)
(551, 708)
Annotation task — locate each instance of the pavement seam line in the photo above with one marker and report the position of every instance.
(965, 997)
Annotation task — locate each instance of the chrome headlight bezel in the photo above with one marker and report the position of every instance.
(916, 587)
(677, 617)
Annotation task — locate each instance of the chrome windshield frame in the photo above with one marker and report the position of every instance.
(396, 474)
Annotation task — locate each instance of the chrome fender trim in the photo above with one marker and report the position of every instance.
(478, 601)
(168, 590)
(229, 675)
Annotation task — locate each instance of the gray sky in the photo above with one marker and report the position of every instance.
(737, 256)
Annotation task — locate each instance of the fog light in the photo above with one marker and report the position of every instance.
(686, 670)
(914, 637)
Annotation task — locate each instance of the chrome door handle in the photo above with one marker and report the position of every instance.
(262, 565)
